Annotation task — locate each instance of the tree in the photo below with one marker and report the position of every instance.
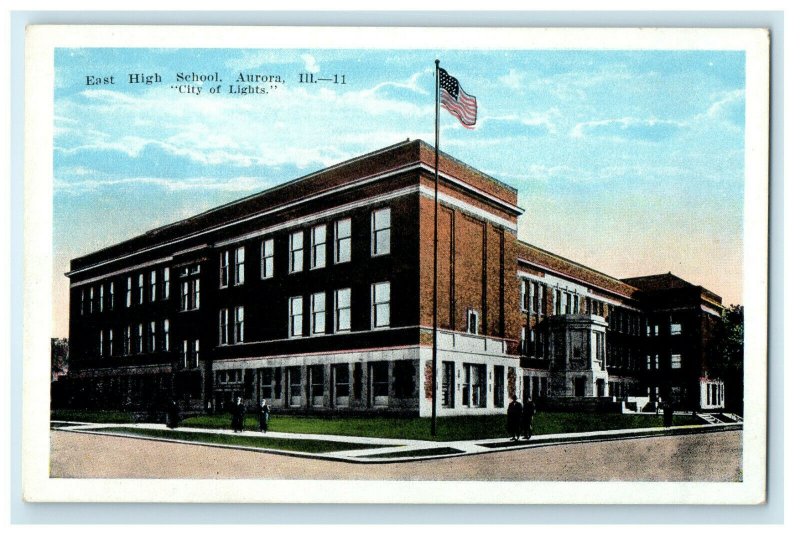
(730, 352)
(59, 357)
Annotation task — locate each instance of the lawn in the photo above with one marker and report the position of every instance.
(451, 428)
(99, 417)
(286, 444)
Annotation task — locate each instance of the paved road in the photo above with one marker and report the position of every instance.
(701, 457)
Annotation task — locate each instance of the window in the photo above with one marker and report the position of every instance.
(295, 386)
(165, 284)
(472, 321)
(675, 328)
(111, 342)
(318, 313)
(83, 300)
(128, 347)
(342, 319)
(91, 299)
(190, 294)
(499, 377)
(267, 258)
(152, 332)
(295, 317)
(111, 295)
(191, 354)
(379, 372)
(102, 297)
(196, 353)
(140, 339)
(141, 288)
(224, 269)
(102, 345)
(381, 231)
(656, 361)
(129, 293)
(318, 239)
(341, 244)
(166, 335)
(296, 252)
(186, 353)
(316, 385)
(239, 261)
(473, 393)
(223, 327)
(524, 295)
(676, 362)
(266, 383)
(381, 297)
(448, 384)
(341, 384)
(238, 326)
(153, 285)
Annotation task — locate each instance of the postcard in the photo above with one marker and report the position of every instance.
(395, 265)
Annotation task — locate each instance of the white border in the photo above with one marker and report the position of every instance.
(41, 42)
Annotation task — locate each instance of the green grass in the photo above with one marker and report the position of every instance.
(100, 417)
(286, 444)
(451, 428)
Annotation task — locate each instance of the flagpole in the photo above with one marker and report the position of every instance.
(435, 259)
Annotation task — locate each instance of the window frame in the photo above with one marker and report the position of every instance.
(238, 324)
(338, 240)
(268, 260)
(374, 305)
(238, 266)
(318, 314)
(296, 253)
(224, 269)
(317, 247)
(293, 316)
(376, 233)
(338, 309)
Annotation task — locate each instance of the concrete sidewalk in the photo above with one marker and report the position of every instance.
(391, 450)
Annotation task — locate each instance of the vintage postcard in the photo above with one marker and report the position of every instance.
(395, 265)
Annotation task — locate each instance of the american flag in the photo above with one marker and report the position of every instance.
(457, 101)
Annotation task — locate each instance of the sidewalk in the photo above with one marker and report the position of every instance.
(391, 450)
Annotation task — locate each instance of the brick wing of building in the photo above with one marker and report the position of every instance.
(316, 296)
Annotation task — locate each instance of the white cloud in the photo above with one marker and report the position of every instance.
(242, 184)
(514, 79)
(310, 63)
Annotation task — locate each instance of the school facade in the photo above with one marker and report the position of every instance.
(316, 295)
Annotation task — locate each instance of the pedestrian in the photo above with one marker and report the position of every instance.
(514, 417)
(263, 416)
(667, 414)
(173, 414)
(528, 410)
(237, 416)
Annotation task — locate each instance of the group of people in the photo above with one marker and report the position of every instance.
(238, 411)
(520, 418)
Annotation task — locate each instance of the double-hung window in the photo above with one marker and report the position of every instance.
(342, 318)
(381, 304)
(129, 293)
(381, 231)
(223, 327)
(472, 321)
(267, 258)
(238, 325)
(318, 242)
(165, 284)
(296, 251)
(166, 335)
(296, 316)
(341, 241)
(101, 303)
(141, 288)
(153, 285)
(224, 269)
(238, 276)
(318, 313)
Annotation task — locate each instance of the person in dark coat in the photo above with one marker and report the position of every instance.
(528, 410)
(667, 413)
(514, 418)
(263, 416)
(173, 414)
(237, 416)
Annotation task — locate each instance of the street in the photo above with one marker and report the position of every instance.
(694, 457)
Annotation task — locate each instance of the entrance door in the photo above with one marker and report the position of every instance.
(580, 387)
(601, 388)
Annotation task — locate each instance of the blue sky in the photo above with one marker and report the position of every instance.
(629, 161)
